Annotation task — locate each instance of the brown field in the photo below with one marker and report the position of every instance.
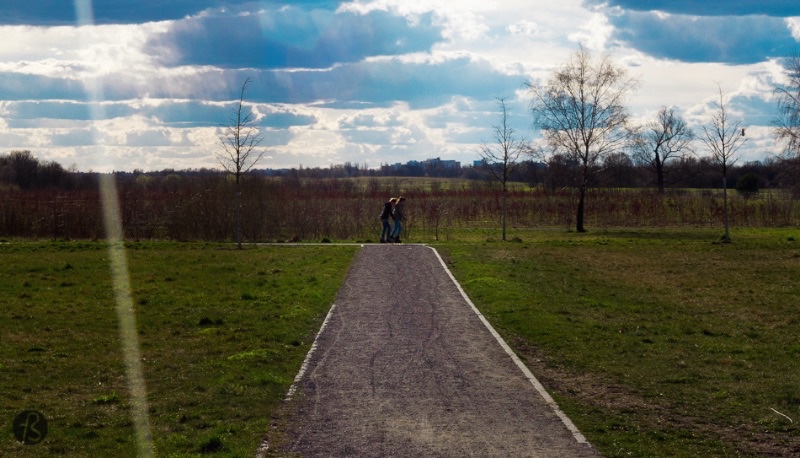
(201, 208)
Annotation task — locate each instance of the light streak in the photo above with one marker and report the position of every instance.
(118, 264)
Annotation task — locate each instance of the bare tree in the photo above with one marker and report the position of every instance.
(724, 137)
(240, 150)
(581, 113)
(501, 158)
(664, 139)
(786, 127)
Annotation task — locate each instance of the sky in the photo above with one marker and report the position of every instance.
(150, 84)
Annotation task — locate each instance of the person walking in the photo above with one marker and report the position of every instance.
(399, 218)
(388, 212)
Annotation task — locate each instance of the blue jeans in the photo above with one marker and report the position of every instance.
(387, 230)
(397, 228)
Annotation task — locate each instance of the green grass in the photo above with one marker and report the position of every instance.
(657, 343)
(222, 333)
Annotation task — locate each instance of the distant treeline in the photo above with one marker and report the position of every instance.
(43, 200)
(22, 170)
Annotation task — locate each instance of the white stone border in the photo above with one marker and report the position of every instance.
(304, 367)
(263, 448)
(525, 371)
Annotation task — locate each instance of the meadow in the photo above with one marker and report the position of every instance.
(222, 335)
(656, 342)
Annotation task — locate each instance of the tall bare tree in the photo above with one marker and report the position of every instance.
(664, 139)
(502, 157)
(240, 150)
(581, 113)
(786, 127)
(724, 137)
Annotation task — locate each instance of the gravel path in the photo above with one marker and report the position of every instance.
(405, 367)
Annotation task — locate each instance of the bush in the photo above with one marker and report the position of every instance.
(747, 184)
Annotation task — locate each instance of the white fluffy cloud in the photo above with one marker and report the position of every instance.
(370, 82)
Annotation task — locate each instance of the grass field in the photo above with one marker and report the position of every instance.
(222, 334)
(657, 343)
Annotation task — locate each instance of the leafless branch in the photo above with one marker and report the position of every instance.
(240, 140)
(786, 127)
(581, 113)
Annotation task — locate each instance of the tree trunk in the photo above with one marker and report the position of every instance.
(238, 218)
(504, 212)
(581, 198)
(727, 237)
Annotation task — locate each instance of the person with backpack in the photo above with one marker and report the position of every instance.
(388, 212)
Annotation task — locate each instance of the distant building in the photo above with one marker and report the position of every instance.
(437, 162)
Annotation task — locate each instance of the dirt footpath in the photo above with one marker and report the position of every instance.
(405, 367)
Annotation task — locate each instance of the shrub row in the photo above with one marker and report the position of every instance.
(275, 209)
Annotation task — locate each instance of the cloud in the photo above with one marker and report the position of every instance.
(386, 118)
(526, 27)
(423, 84)
(17, 86)
(378, 82)
(184, 113)
(284, 120)
(368, 136)
(290, 37)
(594, 34)
(775, 8)
(62, 12)
(794, 26)
(733, 40)
(384, 128)
(372, 81)
(74, 137)
(64, 110)
(150, 133)
(375, 82)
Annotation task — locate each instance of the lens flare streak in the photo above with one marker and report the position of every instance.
(118, 264)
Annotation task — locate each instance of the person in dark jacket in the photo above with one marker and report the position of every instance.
(399, 218)
(388, 212)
